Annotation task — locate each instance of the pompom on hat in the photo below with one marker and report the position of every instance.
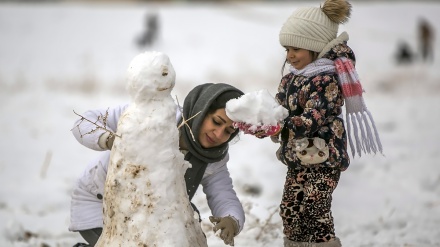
(312, 28)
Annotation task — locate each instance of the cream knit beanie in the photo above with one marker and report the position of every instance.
(313, 28)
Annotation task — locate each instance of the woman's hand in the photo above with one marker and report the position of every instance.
(228, 226)
(106, 140)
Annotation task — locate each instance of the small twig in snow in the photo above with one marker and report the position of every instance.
(266, 224)
(46, 164)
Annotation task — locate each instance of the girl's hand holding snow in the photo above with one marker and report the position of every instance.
(228, 226)
(257, 113)
(275, 138)
(260, 131)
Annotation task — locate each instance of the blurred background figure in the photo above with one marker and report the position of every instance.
(404, 53)
(426, 40)
(150, 34)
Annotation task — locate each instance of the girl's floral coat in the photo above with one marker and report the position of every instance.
(314, 104)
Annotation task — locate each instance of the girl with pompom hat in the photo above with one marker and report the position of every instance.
(322, 78)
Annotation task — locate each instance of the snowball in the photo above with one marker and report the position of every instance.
(256, 108)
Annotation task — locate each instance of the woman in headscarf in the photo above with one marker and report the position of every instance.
(207, 152)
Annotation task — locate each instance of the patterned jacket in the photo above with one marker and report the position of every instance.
(315, 105)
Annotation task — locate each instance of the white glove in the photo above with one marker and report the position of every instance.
(106, 140)
(228, 226)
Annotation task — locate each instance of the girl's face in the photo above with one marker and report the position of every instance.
(297, 57)
(216, 129)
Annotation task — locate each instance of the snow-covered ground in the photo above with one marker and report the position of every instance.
(56, 58)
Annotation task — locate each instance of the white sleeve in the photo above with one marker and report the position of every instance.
(87, 194)
(88, 134)
(222, 199)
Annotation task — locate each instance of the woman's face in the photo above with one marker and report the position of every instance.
(216, 129)
(297, 57)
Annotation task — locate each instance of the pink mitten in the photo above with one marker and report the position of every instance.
(258, 130)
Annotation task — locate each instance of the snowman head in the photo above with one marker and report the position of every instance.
(150, 74)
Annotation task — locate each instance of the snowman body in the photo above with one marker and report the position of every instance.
(145, 200)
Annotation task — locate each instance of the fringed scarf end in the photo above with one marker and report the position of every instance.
(358, 118)
(361, 128)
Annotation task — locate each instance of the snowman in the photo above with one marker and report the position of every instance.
(145, 202)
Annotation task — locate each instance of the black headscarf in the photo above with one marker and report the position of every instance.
(199, 100)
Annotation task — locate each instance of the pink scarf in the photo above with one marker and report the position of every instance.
(357, 113)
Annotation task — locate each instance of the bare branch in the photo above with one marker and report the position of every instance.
(103, 119)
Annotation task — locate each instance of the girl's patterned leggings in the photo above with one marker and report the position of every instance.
(306, 204)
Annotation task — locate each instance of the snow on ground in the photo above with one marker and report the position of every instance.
(56, 58)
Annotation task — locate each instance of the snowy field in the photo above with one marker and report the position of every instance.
(56, 58)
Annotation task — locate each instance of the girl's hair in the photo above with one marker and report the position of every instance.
(314, 55)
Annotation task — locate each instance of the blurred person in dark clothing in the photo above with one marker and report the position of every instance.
(150, 34)
(404, 54)
(426, 40)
